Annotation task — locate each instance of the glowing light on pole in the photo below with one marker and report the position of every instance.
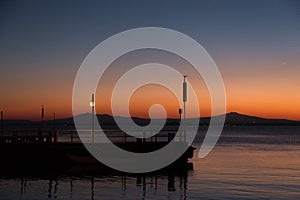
(92, 104)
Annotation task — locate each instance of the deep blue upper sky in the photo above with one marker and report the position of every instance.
(54, 30)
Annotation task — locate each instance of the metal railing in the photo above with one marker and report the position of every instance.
(85, 136)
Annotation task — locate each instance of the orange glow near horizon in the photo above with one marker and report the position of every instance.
(259, 93)
(265, 92)
(260, 101)
(142, 100)
(245, 101)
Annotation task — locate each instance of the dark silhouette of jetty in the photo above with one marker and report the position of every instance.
(56, 150)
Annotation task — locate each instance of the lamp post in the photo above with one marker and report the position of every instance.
(43, 115)
(184, 99)
(40, 132)
(1, 123)
(180, 113)
(92, 104)
(54, 121)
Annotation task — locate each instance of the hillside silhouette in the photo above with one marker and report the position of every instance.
(107, 121)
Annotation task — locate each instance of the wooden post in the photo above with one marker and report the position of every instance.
(71, 136)
(49, 136)
(170, 136)
(124, 137)
(16, 137)
(56, 136)
(144, 138)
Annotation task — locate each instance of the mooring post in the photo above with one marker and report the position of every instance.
(71, 136)
(56, 136)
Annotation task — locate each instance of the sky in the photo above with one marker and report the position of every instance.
(255, 44)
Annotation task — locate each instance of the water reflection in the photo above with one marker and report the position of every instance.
(113, 186)
(244, 172)
(23, 186)
(92, 188)
(53, 187)
(71, 188)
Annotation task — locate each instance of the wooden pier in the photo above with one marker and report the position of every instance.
(86, 136)
(56, 149)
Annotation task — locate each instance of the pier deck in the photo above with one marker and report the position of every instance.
(40, 149)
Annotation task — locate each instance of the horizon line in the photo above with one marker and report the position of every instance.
(232, 112)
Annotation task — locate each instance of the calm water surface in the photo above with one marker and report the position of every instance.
(234, 170)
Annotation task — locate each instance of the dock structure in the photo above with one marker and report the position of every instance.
(86, 136)
(40, 149)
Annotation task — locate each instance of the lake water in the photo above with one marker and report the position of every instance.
(248, 163)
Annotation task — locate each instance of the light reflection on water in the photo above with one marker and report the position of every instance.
(230, 171)
(248, 172)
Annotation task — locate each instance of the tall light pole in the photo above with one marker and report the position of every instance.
(54, 121)
(92, 104)
(180, 113)
(40, 132)
(1, 123)
(43, 115)
(184, 99)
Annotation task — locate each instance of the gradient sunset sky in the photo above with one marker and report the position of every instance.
(255, 44)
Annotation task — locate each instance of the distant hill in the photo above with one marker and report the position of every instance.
(235, 118)
(232, 119)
